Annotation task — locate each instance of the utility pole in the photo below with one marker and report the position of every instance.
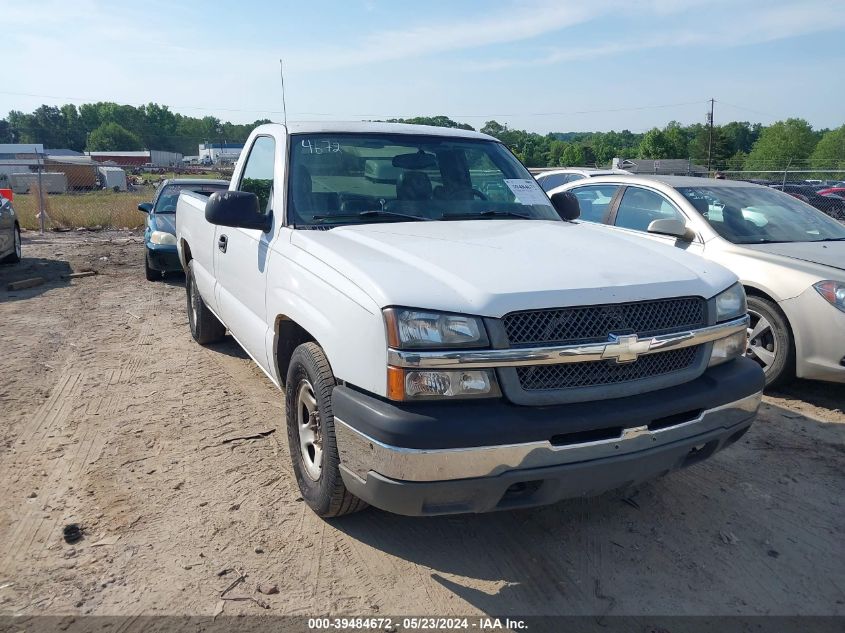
(710, 136)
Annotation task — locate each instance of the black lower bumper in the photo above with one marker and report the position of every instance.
(167, 261)
(539, 486)
(440, 425)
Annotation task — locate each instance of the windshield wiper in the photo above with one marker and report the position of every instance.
(487, 214)
(830, 239)
(372, 213)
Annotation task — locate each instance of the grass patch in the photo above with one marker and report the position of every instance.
(106, 209)
(152, 178)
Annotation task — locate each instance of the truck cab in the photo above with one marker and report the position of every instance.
(445, 340)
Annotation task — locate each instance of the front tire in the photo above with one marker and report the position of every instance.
(15, 256)
(151, 273)
(205, 327)
(311, 436)
(770, 341)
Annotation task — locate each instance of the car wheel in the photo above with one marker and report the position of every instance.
(770, 341)
(205, 327)
(15, 256)
(151, 273)
(311, 436)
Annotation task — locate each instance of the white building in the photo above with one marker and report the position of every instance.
(220, 152)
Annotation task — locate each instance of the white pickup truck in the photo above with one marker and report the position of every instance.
(451, 340)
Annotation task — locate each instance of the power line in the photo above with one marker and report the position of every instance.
(744, 108)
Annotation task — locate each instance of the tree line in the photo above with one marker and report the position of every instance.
(108, 126)
(738, 145)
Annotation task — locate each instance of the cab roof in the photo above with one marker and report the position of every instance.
(372, 127)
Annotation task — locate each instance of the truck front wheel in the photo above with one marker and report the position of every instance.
(311, 436)
(205, 327)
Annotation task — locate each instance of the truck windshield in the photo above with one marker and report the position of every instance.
(760, 215)
(364, 178)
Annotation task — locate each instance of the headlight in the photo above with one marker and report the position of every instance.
(416, 384)
(833, 292)
(416, 329)
(730, 304)
(728, 348)
(162, 238)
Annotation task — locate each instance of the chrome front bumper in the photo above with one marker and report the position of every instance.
(360, 454)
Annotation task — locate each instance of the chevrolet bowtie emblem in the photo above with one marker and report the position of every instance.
(625, 348)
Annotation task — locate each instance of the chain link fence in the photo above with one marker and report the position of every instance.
(66, 194)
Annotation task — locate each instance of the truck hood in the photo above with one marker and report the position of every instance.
(492, 267)
(824, 253)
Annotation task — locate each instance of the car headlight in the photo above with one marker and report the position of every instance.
(418, 329)
(833, 292)
(730, 304)
(162, 238)
(728, 348)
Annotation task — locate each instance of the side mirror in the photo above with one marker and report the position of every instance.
(566, 205)
(146, 207)
(239, 209)
(672, 228)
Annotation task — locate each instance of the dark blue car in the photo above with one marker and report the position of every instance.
(160, 231)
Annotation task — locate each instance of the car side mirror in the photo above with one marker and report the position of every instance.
(566, 205)
(239, 209)
(672, 228)
(146, 207)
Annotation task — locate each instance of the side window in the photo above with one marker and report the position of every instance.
(257, 176)
(640, 207)
(554, 180)
(594, 200)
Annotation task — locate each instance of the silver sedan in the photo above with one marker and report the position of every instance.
(789, 256)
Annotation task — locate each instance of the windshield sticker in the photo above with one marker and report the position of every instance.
(527, 191)
(321, 146)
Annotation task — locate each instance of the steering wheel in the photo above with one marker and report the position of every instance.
(480, 195)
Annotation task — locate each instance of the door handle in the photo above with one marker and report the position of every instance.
(222, 243)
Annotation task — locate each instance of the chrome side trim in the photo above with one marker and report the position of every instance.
(360, 454)
(559, 354)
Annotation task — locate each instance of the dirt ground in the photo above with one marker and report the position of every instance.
(164, 452)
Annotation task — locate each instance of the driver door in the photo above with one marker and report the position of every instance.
(240, 257)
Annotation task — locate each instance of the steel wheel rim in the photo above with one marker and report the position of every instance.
(310, 430)
(762, 342)
(18, 243)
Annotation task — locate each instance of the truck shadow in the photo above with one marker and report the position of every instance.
(724, 536)
(53, 272)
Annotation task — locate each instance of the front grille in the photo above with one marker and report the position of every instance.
(604, 372)
(596, 323)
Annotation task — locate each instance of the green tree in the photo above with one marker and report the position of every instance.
(829, 152)
(654, 145)
(437, 121)
(781, 144)
(719, 148)
(573, 156)
(113, 137)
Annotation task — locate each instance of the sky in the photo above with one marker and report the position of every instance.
(540, 65)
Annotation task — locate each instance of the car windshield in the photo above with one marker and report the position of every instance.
(759, 215)
(169, 196)
(363, 178)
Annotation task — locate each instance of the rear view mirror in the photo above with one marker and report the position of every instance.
(672, 228)
(566, 205)
(416, 161)
(239, 209)
(146, 207)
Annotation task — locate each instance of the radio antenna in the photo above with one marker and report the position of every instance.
(284, 106)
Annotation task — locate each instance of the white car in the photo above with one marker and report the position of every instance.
(556, 177)
(447, 350)
(789, 256)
